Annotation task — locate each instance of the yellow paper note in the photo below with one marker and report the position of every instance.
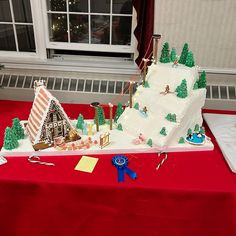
(86, 164)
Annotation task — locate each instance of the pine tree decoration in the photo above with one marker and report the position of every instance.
(165, 53)
(173, 55)
(80, 122)
(181, 140)
(10, 140)
(163, 131)
(119, 111)
(202, 80)
(119, 127)
(168, 117)
(146, 84)
(196, 128)
(101, 116)
(136, 106)
(195, 86)
(202, 130)
(190, 60)
(149, 142)
(190, 132)
(184, 53)
(17, 129)
(182, 89)
(173, 118)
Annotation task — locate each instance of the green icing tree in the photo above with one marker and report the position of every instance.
(136, 106)
(202, 80)
(173, 54)
(196, 128)
(80, 122)
(146, 84)
(181, 140)
(189, 132)
(101, 116)
(119, 127)
(184, 54)
(165, 53)
(149, 142)
(119, 111)
(190, 60)
(10, 140)
(173, 118)
(163, 131)
(202, 130)
(195, 86)
(168, 117)
(17, 129)
(182, 89)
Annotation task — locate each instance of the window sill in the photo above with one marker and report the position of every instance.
(84, 64)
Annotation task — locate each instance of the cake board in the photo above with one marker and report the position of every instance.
(120, 142)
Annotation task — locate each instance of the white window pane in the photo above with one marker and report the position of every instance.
(100, 28)
(101, 6)
(25, 36)
(122, 7)
(79, 28)
(121, 30)
(5, 12)
(58, 27)
(56, 5)
(22, 11)
(78, 5)
(7, 38)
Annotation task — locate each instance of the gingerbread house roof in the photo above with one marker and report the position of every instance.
(39, 111)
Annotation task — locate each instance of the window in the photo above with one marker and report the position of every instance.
(89, 25)
(16, 26)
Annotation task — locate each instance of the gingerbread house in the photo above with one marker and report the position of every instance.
(47, 119)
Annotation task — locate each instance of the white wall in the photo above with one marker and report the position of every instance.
(208, 26)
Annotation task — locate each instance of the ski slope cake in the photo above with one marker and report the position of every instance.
(164, 114)
(168, 107)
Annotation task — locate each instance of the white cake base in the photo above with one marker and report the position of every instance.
(120, 142)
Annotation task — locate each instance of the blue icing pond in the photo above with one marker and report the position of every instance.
(196, 138)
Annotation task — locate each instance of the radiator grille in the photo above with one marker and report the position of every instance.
(222, 92)
(66, 84)
(85, 90)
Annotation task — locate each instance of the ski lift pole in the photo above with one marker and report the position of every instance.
(156, 38)
(110, 111)
(130, 93)
(145, 70)
(95, 105)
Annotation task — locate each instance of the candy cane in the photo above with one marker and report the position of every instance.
(162, 161)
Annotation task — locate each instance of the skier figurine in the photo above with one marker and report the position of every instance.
(175, 63)
(145, 110)
(167, 90)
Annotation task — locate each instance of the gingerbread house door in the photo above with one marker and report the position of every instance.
(57, 124)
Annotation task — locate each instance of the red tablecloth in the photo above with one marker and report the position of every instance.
(191, 194)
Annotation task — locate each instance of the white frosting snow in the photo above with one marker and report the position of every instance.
(187, 110)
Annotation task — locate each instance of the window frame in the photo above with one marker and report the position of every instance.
(87, 46)
(38, 28)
